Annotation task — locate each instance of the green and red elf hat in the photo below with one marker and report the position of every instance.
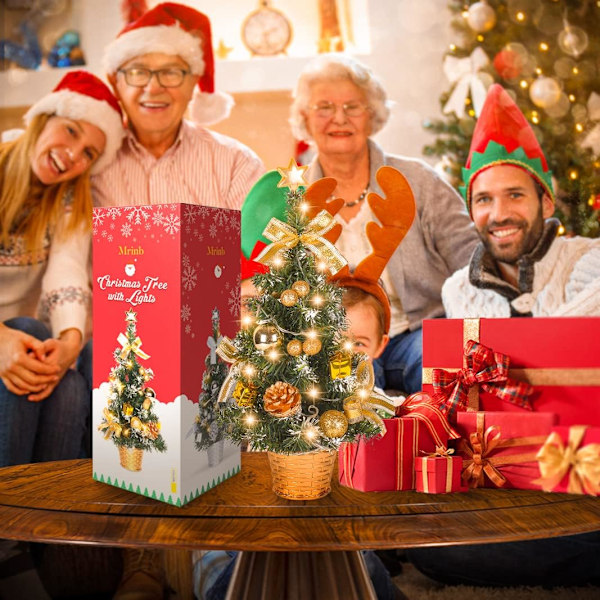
(503, 136)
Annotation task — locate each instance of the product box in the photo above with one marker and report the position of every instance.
(387, 463)
(499, 448)
(558, 356)
(437, 474)
(569, 461)
(166, 286)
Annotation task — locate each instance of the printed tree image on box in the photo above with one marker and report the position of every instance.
(208, 435)
(129, 420)
(166, 278)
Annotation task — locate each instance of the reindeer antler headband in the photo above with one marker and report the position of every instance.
(395, 213)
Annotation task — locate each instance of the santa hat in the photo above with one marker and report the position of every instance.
(503, 136)
(82, 96)
(175, 29)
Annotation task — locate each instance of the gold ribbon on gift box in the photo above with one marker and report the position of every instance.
(582, 464)
(479, 447)
(440, 452)
(586, 377)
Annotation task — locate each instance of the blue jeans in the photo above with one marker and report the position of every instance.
(401, 364)
(52, 429)
(563, 561)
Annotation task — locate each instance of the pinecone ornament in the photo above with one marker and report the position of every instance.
(282, 400)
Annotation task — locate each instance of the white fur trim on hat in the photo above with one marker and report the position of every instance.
(163, 39)
(206, 109)
(72, 105)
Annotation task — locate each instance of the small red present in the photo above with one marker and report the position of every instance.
(439, 473)
(387, 463)
(569, 461)
(499, 448)
(557, 356)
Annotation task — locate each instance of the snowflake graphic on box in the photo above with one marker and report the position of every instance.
(137, 214)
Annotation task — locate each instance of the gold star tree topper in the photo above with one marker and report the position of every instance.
(293, 176)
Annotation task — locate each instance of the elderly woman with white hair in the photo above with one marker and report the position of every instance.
(338, 105)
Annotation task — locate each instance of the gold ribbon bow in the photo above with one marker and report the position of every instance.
(227, 351)
(582, 464)
(133, 347)
(440, 452)
(362, 403)
(110, 426)
(285, 237)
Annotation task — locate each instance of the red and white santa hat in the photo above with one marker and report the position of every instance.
(171, 28)
(82, 96)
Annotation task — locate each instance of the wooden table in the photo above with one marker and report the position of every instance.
(60, 502)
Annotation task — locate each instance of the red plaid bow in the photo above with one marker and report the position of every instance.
(483, 367)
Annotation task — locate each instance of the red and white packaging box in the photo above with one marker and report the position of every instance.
(173, 265)
(558, 356)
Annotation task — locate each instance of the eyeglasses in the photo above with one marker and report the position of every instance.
(326, 110)
(169, 78)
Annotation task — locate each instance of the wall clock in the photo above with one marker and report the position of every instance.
(266, 31)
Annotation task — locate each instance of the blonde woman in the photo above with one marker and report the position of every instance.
(45, 215)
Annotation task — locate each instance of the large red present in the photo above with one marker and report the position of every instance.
(499, 448)
(569, 461)
(387, 463)
(439, 473)
(557, 356)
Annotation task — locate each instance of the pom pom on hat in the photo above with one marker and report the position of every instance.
(175, 29)
(82, 96)
(504, 136)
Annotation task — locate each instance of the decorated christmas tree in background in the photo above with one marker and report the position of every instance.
(546, 53)
(297, 385)
(129, 419)
(207, 431)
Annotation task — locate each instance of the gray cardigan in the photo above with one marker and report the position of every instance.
(439, 242)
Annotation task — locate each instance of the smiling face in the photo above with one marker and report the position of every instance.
(155, 112)
(507, 212)
(338, 133)
(64, 149)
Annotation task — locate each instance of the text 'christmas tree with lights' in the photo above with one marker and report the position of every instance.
(129, 419)
(297, 386)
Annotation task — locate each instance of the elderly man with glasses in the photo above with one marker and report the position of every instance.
(161, 65)
(338, 106)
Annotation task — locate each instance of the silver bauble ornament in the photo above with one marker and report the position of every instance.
(573, 40)
(545, 92)
(481, 17)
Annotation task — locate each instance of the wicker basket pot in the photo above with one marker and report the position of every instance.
(302, 476)
(131, 458)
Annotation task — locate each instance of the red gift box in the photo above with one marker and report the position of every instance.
(557, 356)
(499, 448)
(569, 461)
(439, 473)
(387, 463)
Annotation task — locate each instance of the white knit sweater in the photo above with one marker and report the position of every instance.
(566, 282)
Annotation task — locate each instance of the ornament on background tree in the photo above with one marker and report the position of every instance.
(592, 139)
(481, 17)
(545, 92)
(66, 51)
(466, 75)
(130, 402)
(508, 64)
(572, 40)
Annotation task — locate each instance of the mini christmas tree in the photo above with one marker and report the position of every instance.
(296, 383)
(207, 431)
(129, 419)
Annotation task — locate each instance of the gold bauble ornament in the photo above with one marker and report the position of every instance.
(294, 348)
(126, 432)
(266, 337)
(150, 393)
(147, 403)
(340, 366)
(288, 298)
(301, 288)
(311, 346)
(136, 423)
(333, 423)
(282, 400)
(127, 409)
(244, 395)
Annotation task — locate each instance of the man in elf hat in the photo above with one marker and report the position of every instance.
(161, 65)
(521, 267)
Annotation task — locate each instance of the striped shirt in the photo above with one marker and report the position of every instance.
(201, 167)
